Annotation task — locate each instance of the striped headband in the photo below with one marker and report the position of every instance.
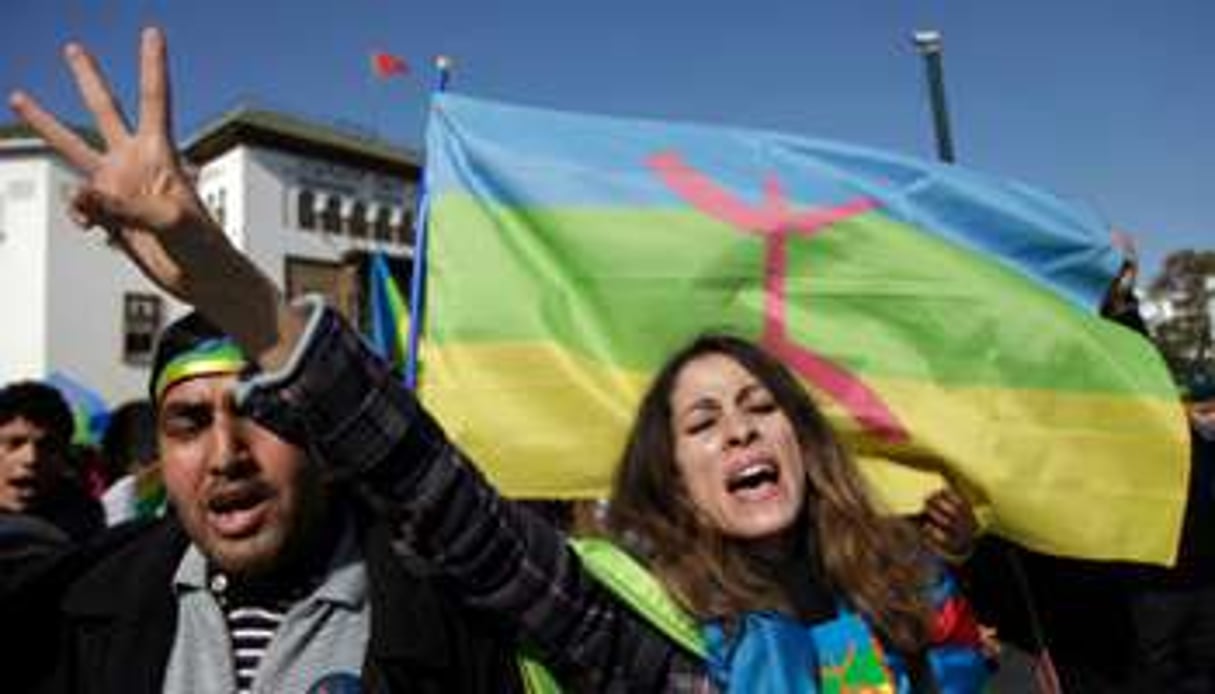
(209, 357)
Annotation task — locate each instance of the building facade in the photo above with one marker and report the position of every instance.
(308, 203)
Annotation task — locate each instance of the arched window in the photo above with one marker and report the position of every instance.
(356, 221)
(305, 209)
(394, 224)
(404, 232)
(221, 207)
(382, 225)
(331, 217)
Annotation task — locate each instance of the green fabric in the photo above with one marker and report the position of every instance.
(536, 678)
(628, 580)
(916, 307)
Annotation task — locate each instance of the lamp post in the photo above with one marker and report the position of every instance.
(928, 43)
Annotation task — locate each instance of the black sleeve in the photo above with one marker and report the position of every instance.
(500, 558)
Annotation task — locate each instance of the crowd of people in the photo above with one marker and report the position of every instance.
(319, 531)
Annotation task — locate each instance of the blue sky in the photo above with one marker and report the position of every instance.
(1105, 101)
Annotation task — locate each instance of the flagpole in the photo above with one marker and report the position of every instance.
(417, 282)
(928, 43)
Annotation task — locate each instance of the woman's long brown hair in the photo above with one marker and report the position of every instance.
(874, 563)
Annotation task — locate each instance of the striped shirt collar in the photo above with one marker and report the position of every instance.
(345, 580)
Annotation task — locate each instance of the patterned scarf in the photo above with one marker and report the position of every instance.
(774, 653)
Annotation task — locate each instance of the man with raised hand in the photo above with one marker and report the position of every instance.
(271, 573)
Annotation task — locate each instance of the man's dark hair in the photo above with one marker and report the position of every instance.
(42, 405)
(129, 442)
(192, 332)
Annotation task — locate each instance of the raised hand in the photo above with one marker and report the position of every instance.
(138, 191)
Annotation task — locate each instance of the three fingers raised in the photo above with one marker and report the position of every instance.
(98, 97)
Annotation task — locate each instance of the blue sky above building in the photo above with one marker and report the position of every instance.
(1105, 101)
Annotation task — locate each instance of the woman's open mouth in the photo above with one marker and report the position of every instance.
(754, 481)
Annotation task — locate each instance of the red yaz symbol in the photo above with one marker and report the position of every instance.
(775, 220)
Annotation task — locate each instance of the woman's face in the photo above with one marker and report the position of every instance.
(735, 449)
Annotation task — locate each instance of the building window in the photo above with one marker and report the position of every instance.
(305, 209)
(402, 232)
(215, 205)
(381, 226)
(331, 216)
(337, 282)
(356, 221)
(141, 321)
(221, 208)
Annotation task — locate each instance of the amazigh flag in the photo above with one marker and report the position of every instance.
(945, 319)
(389, 312)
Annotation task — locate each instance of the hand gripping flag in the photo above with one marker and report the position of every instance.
(945, 319)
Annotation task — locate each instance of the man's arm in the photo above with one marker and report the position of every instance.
(499, 557)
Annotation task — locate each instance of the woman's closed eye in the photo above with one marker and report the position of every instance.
(699, 424)
(759, 402)
(766, 406)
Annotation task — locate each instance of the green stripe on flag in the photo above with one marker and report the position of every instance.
(870, 293)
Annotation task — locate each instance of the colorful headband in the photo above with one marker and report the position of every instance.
(209, 357)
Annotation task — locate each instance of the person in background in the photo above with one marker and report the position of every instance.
(130, 453)
(1120, 303)
(1173, 609)
(1199, 400)
(36, 476)
(45, 514)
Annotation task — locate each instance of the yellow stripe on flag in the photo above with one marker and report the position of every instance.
(1057, 499)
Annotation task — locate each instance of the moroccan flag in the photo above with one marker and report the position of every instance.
(385, 65)
(944, 319)
(389, 312)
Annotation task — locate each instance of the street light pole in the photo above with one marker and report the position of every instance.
(928, 43)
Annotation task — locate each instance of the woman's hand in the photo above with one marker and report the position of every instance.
(949, 524)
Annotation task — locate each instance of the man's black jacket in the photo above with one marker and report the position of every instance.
(102, 618)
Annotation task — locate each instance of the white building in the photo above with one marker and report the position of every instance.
(306, 202)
